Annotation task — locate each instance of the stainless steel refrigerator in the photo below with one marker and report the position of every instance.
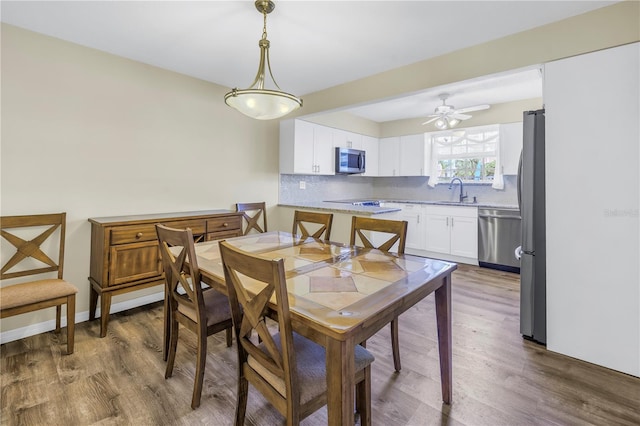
(531, 199)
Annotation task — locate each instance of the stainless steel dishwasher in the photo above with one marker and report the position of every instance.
(499, 234)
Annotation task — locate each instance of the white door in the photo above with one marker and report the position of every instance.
(412, 213)
(412, 159)
(389, 160)
(370, 147)
(464, 236)
(437, 233)
(303, 161)
(323, 150)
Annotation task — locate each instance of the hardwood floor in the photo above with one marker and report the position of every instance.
(499, 378)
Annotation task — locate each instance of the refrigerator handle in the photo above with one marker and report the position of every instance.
(518, 252)
(519, 184)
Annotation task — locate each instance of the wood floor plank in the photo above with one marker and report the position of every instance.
(498, 377)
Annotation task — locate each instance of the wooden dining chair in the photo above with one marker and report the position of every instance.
(396, 232)
(287, 368)
(203, 312)
(252, 213)
(301, 221)
(32, 257)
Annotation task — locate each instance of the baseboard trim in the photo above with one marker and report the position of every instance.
(33, 329)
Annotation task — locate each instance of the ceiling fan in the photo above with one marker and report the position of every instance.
(446, 116)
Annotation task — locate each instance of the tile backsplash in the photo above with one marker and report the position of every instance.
(323, 188)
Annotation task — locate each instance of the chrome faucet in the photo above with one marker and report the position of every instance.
(462, 196)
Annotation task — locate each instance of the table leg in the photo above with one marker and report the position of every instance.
(105, 307)
(93, 302)
(443, 316)
(340, 382)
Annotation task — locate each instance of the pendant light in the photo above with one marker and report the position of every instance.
(257, 101)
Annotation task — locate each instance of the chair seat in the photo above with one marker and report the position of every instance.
(34, 292)
(310, 367)
(216, 306)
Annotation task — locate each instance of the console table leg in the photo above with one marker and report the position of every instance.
(93, 303)
(105, 308)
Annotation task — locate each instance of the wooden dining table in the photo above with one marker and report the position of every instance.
(341, 295)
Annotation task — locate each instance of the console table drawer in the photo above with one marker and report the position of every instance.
(225, 223)
(133, 234)
(197, 225)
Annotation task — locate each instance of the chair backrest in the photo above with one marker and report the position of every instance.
(177, 274)
(302, 219)
(251, 213)
(33, 248)
(252, 281)
(398, 229)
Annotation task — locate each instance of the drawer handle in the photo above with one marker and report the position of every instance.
(139, 235)
(225, 224)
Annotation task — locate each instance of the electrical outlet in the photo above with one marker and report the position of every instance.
(303, 185)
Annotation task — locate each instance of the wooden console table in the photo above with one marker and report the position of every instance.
(125, 256)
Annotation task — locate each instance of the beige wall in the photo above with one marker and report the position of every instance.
(93, 134)
(97, 135)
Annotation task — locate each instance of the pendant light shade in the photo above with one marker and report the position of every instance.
(257, 101)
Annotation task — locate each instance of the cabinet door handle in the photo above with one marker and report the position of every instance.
(447, 221)
(452, 222)
(225, 224)
(139, 235)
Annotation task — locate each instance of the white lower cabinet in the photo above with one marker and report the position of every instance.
(413, 214)
(451, 230)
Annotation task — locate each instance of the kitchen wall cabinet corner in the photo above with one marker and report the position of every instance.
(306, 148)
(125, 255)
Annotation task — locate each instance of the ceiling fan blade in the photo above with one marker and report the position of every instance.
(433, 119)
(460, 116)
(473, 108)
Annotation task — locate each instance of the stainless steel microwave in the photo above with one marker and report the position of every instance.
(350, 161)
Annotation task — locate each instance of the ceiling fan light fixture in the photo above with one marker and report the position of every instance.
(257, 101)
(441, 123)
(453, 121)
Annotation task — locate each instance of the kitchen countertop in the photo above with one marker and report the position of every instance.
(344, 206)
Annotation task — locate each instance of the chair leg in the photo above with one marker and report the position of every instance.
(394, 344)
(201, 361)
(58, 318)
(363, 398)
(71, 323)
(241, 404)
(229, 332)
(173, 344)
(166, 324)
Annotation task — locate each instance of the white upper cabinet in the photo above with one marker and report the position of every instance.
(412, 155)
(370, 147)
(306, 148)
(403, 156)
(510, 147)
(389, 160)
(346, 139)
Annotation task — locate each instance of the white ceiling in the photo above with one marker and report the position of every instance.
(314, 44)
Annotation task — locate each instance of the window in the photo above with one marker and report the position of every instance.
(469, 154)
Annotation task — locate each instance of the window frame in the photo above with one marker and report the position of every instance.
(490, 138)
